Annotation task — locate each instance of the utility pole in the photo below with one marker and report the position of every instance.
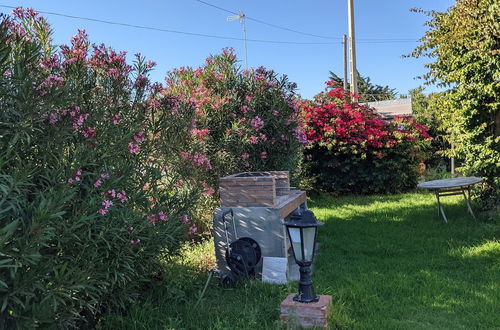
(352, 47)
(344, 49)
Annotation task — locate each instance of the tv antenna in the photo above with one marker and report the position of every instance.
(241, 18)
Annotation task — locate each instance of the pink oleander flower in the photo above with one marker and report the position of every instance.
(104, 176)
(244, 109)
(89, 133)
(199, 133)
(257, 123)
(245, 155)
(209, 191)
(254, 139)
(115, 119)
(111, 193)
(78, 172)
(135, 241)
(275, 112)
(162, 216)
(103, 211)
(202, 160)
(70, 180)
(153, 219)
(77, 178)
(80, 120)
(263, 137)
(184, 219)
(107, 204)
(133, 148)
(139, 137)
(185, 155)
(98, 183)
(122, 196)
(263, 155)
(54, 118)
(193, 229)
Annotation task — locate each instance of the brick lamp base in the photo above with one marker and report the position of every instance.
(295, 314)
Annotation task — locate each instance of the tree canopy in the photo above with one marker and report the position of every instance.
(368, 91)
(464, 45)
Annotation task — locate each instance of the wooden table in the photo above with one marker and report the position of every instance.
(450, 187)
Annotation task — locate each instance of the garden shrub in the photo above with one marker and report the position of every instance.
(242, 120)
(88, 199)
(238, 121)
(352, 150)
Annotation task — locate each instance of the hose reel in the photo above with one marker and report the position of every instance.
(242, 255)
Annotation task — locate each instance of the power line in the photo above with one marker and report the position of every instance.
(268, 24)
(135, 26)
(363, 40)
(175, 31)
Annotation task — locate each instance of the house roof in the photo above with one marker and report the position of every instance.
(390, 108)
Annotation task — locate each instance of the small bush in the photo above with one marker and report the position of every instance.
(352, 150)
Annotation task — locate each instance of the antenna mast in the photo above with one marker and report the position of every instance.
(241, 17)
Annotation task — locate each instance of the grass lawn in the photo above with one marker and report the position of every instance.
(388, 261)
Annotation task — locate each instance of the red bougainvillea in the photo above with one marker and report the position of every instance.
(346, 138)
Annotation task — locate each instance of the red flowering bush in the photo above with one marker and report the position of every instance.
(352, 150)
(239, 120)
(89, 200)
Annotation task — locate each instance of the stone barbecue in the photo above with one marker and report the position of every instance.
(260, 202)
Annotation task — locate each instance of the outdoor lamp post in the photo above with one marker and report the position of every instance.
(302, 228)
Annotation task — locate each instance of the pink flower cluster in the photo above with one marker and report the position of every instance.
(158, 217)
(133, 147)
(192, 229)
(197, 158)
(115, 119)
(209, 191)
(78, 50)
(121, 196)
(99, 181)
(76, 178)
(199, 134)
(113, 63)
(257, 123)
(106, 204)
(78, 120)
(50, 82)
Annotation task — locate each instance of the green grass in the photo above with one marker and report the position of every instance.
(388, 261)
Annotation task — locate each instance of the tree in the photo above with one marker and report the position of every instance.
(368, 91)
(464, 44)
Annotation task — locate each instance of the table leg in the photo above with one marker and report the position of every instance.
(467, 201)
(440, 208)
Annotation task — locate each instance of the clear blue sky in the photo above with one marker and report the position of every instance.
(307, 65)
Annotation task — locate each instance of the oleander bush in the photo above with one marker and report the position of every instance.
(89, 197)
(243, 120)
(353, 151)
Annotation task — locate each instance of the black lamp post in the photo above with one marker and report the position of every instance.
(302, 228)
